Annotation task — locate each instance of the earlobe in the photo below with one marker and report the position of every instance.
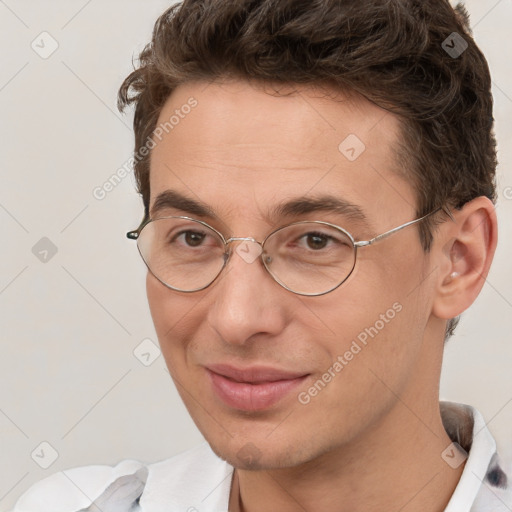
(465, 258)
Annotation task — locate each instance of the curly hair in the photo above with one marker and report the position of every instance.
(395, 53)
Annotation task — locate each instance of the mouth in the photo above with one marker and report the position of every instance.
(252, 389)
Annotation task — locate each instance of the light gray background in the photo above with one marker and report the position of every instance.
(69, 326)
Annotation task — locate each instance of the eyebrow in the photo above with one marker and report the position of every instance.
(293, 207)
(177, 201)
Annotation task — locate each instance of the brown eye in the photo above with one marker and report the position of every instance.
(193, 238)
(316, 241)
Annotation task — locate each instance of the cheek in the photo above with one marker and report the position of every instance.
(372, 351)
(376, 317)
(158, 299)
(172, 314)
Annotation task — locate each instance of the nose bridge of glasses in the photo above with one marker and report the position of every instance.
(239, 238)
(249, 252)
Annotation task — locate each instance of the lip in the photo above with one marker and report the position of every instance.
(254, 388)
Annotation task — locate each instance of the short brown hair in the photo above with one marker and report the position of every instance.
(393, 52)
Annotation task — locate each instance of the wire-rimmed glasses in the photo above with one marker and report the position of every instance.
(305, 257)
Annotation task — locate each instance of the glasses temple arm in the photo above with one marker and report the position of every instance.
(133, 235)
(364, 243)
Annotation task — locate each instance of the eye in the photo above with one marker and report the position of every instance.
(316, 241)
(191, 238)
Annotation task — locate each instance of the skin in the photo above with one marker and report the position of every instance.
(372, 438)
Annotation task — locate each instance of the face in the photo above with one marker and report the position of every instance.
(271, 378)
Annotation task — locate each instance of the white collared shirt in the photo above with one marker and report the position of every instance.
(199, 481)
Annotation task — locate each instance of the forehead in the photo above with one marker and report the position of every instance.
(234, 144)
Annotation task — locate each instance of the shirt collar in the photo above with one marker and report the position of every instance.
(466, 426)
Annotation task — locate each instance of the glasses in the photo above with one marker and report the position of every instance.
(306, 257)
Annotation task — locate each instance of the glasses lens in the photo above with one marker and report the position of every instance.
(309, 258)
(182, 253)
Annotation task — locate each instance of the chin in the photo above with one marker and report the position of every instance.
(257, 455)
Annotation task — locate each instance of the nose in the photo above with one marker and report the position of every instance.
(246, 301)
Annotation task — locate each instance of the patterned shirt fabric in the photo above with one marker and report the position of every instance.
(199, 481)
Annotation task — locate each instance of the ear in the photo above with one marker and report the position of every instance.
(465, 253)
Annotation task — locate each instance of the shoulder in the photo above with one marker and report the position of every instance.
(194, 479)
(77, 488)
(172, 481)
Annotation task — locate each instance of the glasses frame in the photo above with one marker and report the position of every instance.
(357, 244)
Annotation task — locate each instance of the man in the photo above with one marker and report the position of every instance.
(318, 185)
